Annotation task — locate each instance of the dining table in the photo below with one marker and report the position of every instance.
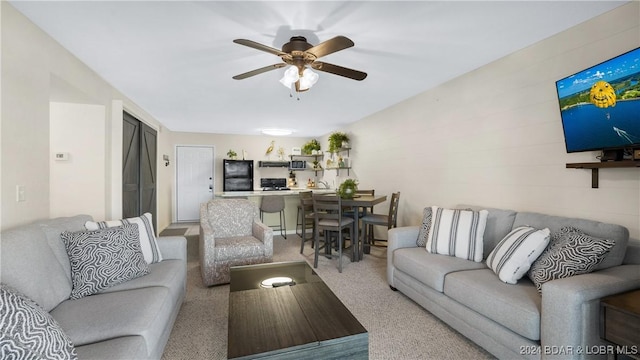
(360, 203)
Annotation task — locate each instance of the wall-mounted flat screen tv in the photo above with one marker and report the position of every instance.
(600, 106)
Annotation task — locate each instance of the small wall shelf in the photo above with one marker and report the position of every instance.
(595, 166)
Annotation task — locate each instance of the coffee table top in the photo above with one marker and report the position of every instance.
(287, 319)
(249, 277)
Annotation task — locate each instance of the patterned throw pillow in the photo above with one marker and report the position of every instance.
(103, 258)
(424, 228)
(514, 254)
(27, 331)
(457, 233)
(147, 237)
(570, 252)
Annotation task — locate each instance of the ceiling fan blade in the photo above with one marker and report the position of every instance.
(330, 46)
(258, 46)
(339, 70)
(259, 71)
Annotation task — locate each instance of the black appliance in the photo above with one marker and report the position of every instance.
(238, 175)
(273, 184)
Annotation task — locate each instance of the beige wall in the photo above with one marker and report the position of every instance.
(493, 137)
(36, 71)
(78, 178)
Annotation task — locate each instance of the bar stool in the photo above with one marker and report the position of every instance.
(274, 204)
(390, 220)
(327, 211)
(305, 218)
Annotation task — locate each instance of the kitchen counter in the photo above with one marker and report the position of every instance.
(259, 192)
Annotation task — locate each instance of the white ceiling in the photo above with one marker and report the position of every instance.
(175, 59)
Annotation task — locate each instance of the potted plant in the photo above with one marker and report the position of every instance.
(308, 148)
(232, 154)
(348, 189)
(338, 140)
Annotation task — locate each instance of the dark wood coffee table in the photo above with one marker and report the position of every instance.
(302, 321)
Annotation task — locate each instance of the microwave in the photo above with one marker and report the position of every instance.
(297, 165)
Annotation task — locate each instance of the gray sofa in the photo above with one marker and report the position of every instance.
(515, 321)
(131, 320)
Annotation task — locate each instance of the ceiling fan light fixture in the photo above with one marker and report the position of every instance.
(308, 79)
(290, 77)
(277, 132)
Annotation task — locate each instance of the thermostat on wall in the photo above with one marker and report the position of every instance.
(296, 151)
(62, 156)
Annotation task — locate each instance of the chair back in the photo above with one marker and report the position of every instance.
(306, 201)
(272, 203)
(327, 209)
(231, 217)
(393, 210)
(371, 192)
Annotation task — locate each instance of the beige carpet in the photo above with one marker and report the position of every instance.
(398, 328)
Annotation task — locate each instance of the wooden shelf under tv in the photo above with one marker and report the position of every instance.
(595, 166)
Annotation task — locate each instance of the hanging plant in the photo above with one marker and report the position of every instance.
(308, 148)
(336, 140)
(348, 189)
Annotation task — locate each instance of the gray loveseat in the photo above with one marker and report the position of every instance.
(515, 321)
(131, 320)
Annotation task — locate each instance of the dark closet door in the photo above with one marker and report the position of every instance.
(139, 168)
(148, 172)
(130, 167)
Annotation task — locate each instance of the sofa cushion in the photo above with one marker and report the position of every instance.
(619, 234)
(513, 256)
(168, 273)
(457, 233)
(103, 258)
(428, 268)
(499, 224)
(516, 307)
(127, 347)
(28, 264)
(144, 312)
(53, 228)
(28, 331)
(147, 237)
(570, 252)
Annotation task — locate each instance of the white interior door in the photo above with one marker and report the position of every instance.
(194, 180)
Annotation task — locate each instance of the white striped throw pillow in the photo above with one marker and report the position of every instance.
(514, 254)
(148, 242)
(457, 233)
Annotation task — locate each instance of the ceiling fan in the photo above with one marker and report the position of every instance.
(300, 54)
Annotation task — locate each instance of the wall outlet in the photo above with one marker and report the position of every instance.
(21, 193)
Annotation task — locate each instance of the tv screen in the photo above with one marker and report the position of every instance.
(600, 106)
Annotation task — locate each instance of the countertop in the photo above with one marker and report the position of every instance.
(259, 192)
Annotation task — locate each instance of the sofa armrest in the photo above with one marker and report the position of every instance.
(400, 237)
(173, 247)
(570, 313)
(265, 234)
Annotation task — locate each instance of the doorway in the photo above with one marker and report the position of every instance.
(194, 180)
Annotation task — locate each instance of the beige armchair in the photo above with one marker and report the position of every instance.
(231, 234)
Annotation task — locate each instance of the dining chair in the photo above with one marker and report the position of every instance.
(350, 213)
(328, 217)
(305, 218)
(274, 204)
(390, 221)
